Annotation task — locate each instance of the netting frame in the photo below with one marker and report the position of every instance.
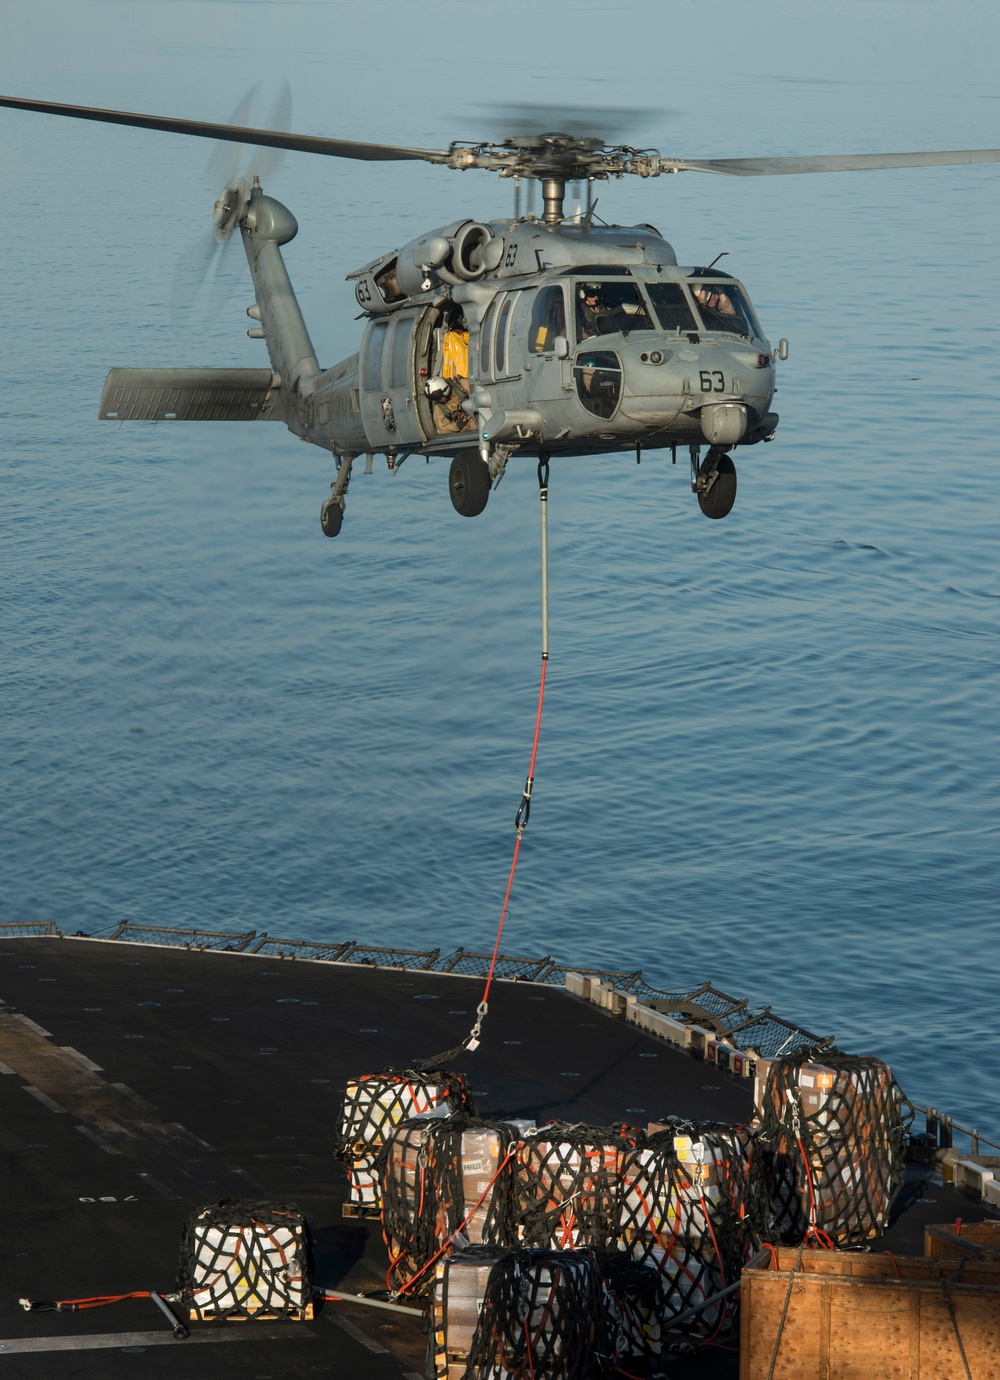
(803, 1156)
(259, 1219)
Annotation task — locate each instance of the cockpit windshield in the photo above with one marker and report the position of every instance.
(671, 306)
(724, 307)
(609, 309)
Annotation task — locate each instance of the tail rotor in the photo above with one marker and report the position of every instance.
(203, 276)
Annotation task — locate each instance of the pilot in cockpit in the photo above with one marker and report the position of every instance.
(593, 313)
(714, 300)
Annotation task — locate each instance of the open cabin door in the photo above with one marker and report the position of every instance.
(390, 355)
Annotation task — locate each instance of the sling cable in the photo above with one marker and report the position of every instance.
(472, 1040)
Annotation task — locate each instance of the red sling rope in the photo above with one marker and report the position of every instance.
(524, 809)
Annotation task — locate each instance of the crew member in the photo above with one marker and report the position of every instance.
(593, 314)
(446, 399)
(714, 300)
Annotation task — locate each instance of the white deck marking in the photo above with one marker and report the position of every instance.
(81, 1058)
(5, 1069)
(44, 1099)
(133, 1096)
(358, 1335)
(32, 1025)
(155, 1183)
(98, 1139)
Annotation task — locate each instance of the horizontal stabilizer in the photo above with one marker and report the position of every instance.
(190, 395)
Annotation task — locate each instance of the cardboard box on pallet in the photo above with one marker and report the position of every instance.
(482, 1155)
(246, 1261)
(374, 1105)
(459, 1288)
(816, 1082)
(559, 1173)
(761, 1073)
(441, 1179)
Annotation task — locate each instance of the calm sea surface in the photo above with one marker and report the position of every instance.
(769, 749)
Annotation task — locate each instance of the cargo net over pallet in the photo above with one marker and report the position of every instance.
(541, 1315)
(375, 1104)
(669, 1219)
(439, 1179)
(243, 1260)
(692, 1211)
(835, 1131)
(566, 1186)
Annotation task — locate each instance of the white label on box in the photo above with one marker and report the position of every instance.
(472, 1166)
(806, 1080)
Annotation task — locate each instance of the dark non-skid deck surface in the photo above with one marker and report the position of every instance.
(142, 1082)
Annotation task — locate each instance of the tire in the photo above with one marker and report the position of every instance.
(719, 499)
(331, 518)
(469, 484)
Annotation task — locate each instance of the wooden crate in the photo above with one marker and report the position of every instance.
(874, 1316)
(965, 1241)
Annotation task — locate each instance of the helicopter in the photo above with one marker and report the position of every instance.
(551, 335)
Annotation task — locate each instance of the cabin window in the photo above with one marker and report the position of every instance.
(548, 320)
(484, 341)
(673, 310)
(400, 375)
(500, 342)
(371, 358)
(724, 307)
(598, 377)
(388, 284)
(609, 309)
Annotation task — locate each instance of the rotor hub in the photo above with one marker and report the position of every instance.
(230, 208)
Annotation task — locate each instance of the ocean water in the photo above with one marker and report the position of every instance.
(769, 747)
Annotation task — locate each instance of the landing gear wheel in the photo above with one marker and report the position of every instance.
(718, 500)
(469, 484)
(331, 518)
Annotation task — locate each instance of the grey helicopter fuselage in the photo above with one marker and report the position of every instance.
(548, 337)
(658, 371)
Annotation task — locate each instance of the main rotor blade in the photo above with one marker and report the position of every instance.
(607, 123)
(225, 162)
(833, 162)
(269, 138)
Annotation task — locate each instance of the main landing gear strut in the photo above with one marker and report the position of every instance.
(714, 481)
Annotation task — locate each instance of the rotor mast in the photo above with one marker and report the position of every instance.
(553, 198)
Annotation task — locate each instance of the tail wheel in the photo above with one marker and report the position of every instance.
(717, 500)
(469, 484)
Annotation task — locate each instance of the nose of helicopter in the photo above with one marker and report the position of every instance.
(712, 384)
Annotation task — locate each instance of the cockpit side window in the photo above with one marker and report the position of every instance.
(673, 310)
(548, 320)
(724, 307)
(609, 309)
(388, 284)
(399, 354)
(485, 336)
(500, 341)
(371, 356)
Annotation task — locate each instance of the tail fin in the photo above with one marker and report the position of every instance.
(267, 225)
